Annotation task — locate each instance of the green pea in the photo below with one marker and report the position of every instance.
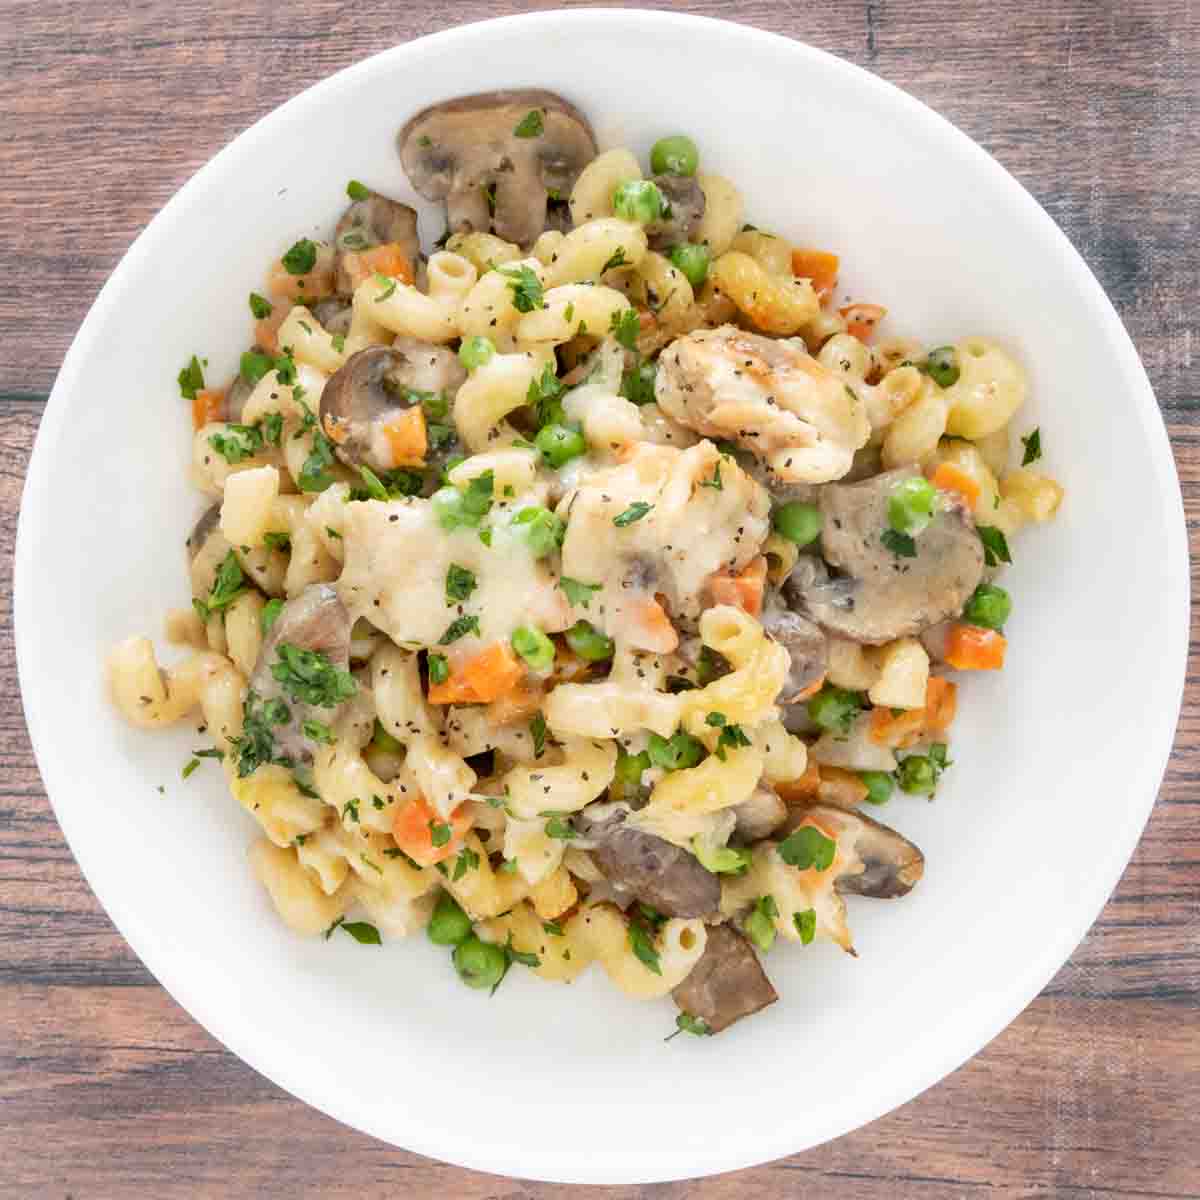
(534, 647)
(989, 606)
(942, 366)
(449, 508)
(834, 708)
(917, 775)
(797, 521)
(589, 643)
(479, 964)
(449, 925)
(629, 769)
(541, 529)
(675, 753)
(911, 505)
(638, 200)
(879, 786)
(475, 352)
(675, 155)
(559, 445)
(692, 261)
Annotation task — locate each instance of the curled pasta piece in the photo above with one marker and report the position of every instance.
(774, 304)
(592, 195)
(514, 470)
(722, 213)
(489, 309)
(399, 700)
(442, 776)
(773, 254)
(483, 250)
(561, 956)
(588, 770)
(310, 343)
(246, 505)
(149, 697)
(482, 891)
(243, 630)
(590, 250)
(528, 845)
(490, 394)
(298, 899)
(571, 310)
(679, 945)
(272, 797)
(402, 309)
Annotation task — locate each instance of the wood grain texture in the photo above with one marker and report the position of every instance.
(108, 1089)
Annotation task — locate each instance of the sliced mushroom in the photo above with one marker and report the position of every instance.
(880, 596)
(206, 550)
(314, 620)
(523, 144)
(373, 391)
(879, 862)
(373, 221)
(685, 207)
(760, 816)
(651, 869)
(806, 645)
(727, 983)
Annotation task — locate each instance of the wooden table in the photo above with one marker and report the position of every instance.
(108, 1088)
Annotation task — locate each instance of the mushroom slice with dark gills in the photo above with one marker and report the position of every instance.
(684, 208)
(728, 982)
(371, 221)
(388, 406)
(877, 595)
(642, 866)
(806, 644)
(496, 157)
(827, 853)
(301, 682)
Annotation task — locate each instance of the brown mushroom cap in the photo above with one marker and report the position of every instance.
(727, 983)
(373, 221)
(315, 620)
(456, 150)
(806, 644)
(686, 202)
(374, 385)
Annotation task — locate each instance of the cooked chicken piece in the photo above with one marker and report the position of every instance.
(769, 396)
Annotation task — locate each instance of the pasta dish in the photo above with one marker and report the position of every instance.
(573, 588)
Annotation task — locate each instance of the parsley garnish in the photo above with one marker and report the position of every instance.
(467, 860)
(285, 370)
(364, 933)
(560, 829)
(643, 947)
(350, 809)
(277, 541)
(635, 512)
(759, 925)
(338, 342)
(439, 833)
(530, 125)
(715, 481)
(237, 443)
(995, 545)
(526, 288)
(578, 593)
(301, 257)
(269, 615)
(900, 544)
(460, 583)
(318, 732)
(617, 260)
(309, 676)
(357, 191)
(388, 285)
(808, 847)
(459, 628)
(537, 731)
(686, 1023)
(260, 306)
(191, 379)
(625, 327)
(1033, 447)
(257, 743)
(227, 587)
(315, 475)
(189, 767)
(439, 668)
(272, 427)
(254, 366)
(806, 925)
(543, 395)
(731, 735)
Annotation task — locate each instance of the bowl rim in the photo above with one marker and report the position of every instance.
(773, 1142)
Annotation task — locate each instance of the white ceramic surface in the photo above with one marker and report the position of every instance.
(1057, 759)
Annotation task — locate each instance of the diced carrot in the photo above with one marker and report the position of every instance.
(861, 319)
(406, 437)
(819, 266)
(949, 478)
(841, 788)
(941, 704)
(207, 405)
(266, 331)
(802, 790)
(889, 729)
(903, 729)
(304, 288)
(413, 828)
(970, 648)
(483, 678)
(650, 628)
(745, 590)
(388, 259)
(809, 692)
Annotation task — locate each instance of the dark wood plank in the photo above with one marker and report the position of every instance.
(103, 114)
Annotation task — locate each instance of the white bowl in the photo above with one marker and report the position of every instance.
(1057, 759)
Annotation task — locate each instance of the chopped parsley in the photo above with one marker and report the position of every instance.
(260, 306)
(537, 731)
(560, 829)
(732, 736)
(228, 585)
(237, 443)
(459, 628)
(439, 833)
(269, 614)
(256, 745)
(642, 945)
(191, 379)
(675, 753)
(467, 860)
(618, 259)
(1033, 447)
(625, 327)
(374, 484)
(686, 1023)
(995, 545)
(317, 731)
(253, 366)
(301, 257)
(460, 583)
(309, 677)
(715, 481)
(388, 285)
(900, 544)
(544, 395)
(635, 512)
(759, 925)
(358, 191)
(530, 125)
(808, 847)
(272, 428)
(578, 593)
(364, 933)
(315, 474)
(189, 767)
(525, 286)
(439, 668)
(806, 925)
